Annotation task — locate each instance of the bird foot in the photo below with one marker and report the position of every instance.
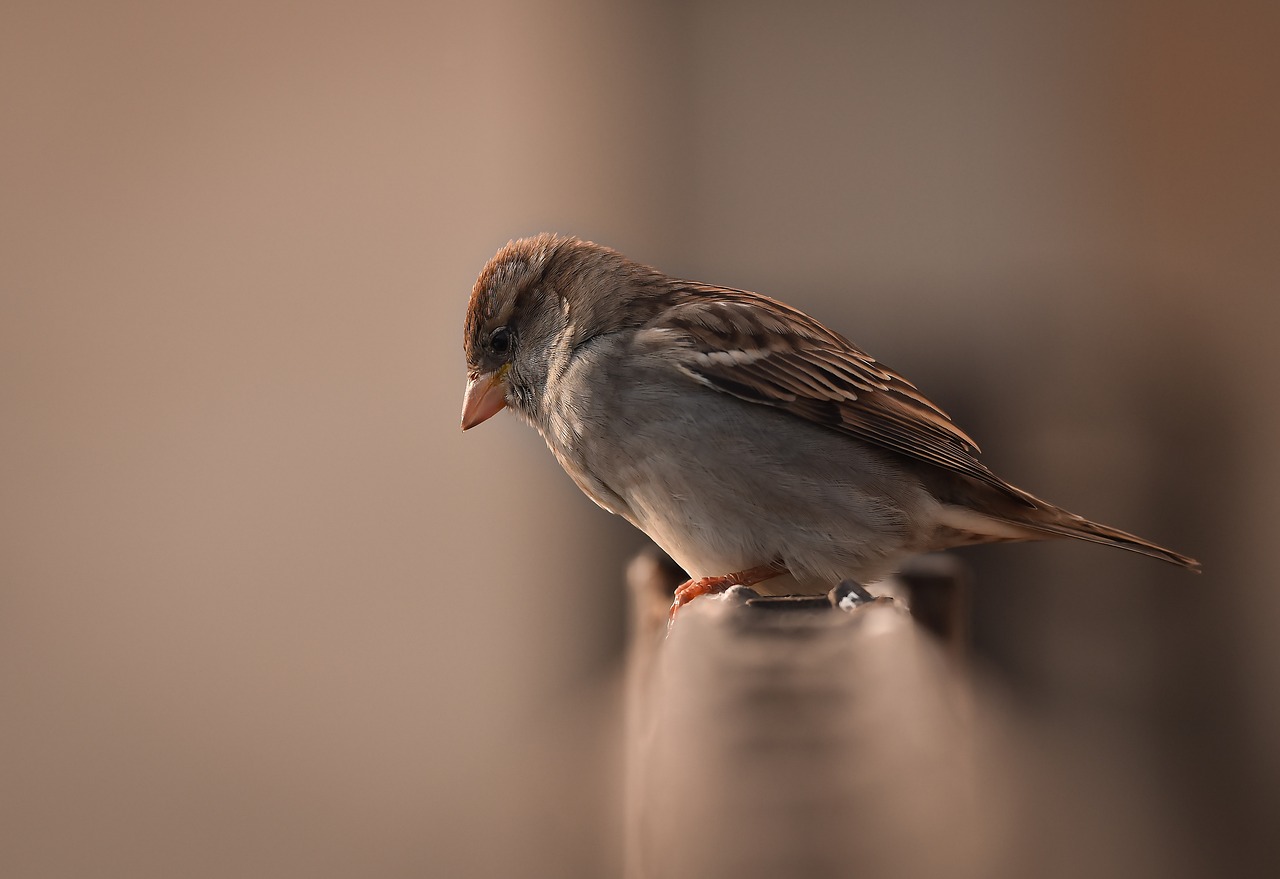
(691, 589)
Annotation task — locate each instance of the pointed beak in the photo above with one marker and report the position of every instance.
(486, 397)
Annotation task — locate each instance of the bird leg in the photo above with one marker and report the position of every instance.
(691, 589)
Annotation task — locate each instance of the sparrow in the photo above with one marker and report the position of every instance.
(741, 435)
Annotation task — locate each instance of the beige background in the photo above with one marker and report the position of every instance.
(265, 611)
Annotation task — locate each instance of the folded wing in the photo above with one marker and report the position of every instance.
(761, 351)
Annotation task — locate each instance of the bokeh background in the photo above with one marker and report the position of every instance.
(265, 611)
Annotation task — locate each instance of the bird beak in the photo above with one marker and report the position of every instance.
(486, 397)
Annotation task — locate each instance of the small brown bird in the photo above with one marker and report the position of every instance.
(744, 437)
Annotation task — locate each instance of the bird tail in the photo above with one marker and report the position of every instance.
(1039, 520)
(1080, 528)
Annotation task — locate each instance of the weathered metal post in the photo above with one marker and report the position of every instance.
(780, 738)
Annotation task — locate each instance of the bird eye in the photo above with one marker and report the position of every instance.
(500, 341)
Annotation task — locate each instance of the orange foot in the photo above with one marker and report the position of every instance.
(691, 589)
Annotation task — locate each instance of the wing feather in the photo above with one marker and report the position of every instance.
(761, 351)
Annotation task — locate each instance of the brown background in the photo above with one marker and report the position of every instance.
(265, 611)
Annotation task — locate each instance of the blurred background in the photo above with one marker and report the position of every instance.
(266, 611)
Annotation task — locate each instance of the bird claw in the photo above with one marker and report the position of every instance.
(691, 589)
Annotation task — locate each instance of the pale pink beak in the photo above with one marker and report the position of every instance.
(486, 397)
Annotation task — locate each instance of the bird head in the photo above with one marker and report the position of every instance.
(537, 300)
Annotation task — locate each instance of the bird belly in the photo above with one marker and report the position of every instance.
(749, 491)
(724, 485)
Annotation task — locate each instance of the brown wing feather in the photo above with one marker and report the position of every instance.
(762, 351)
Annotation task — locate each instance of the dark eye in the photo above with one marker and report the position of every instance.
(500, 341)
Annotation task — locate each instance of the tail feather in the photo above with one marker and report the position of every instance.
(1094, 532)
(1047, 521)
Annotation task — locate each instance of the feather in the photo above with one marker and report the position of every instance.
(759, 350)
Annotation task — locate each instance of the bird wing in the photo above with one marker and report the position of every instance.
(759, 350)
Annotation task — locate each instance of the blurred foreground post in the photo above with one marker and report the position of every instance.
(789, 738)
